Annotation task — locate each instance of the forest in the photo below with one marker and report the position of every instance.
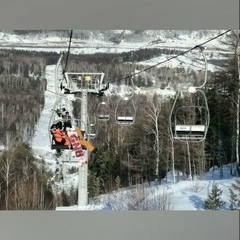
(137, 154)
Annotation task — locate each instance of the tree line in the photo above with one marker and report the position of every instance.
(127, 156)
(143, 152)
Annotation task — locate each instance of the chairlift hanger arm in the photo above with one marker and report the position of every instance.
(206, 65)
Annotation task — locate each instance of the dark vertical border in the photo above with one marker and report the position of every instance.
(124, 14)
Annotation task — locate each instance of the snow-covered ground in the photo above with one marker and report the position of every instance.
(182, 195)
(41, 139)
(192, 60)
(41, 42)
(187, 62)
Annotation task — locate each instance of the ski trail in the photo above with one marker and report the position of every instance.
(41, 136)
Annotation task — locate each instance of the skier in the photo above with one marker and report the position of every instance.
(60, 138)
(66, 121)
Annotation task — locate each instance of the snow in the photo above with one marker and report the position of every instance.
(182, 195)
(41, 141)
(181, 62)
(41, 42)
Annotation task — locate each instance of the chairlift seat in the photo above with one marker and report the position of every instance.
(91, 135)
(103, 117)
(63, 147)
(125, 120)
(189, 131)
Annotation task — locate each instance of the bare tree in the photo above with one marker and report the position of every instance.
(153, 112)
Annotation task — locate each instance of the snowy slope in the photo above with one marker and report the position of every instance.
(40, 141)
(182, 62)
(171, 39)
(182, 40)
(183, 195)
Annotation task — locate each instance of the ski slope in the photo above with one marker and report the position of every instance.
(41, 141)
(182, 195)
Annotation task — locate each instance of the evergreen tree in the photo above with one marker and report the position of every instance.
(73, 195)
(65, 200)
(117, 183)
(236, 186)
(96, 186)
(214, 202)
(233, 199)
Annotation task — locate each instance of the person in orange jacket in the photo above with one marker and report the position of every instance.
(60, 137)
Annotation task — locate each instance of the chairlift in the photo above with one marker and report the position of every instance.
(92, 131)
(76, 82)
(190, 122)
(125, 112)
(190, 132)
(57, 120)
(103, 111)
(128, 88)
(185, 130)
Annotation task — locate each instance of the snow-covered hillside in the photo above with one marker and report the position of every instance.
(182, 195)
(98, 41)
(169, 196)
(41, 139)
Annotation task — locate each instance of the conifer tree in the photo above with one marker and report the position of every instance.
(236, 186)
(96, 187)
(214, 202)
(233, 199)
(117, 183)
(65, 200)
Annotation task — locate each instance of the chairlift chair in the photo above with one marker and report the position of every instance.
(55, 119)
(189, 130)
(92, 131)
(103, 111)
(125, 112)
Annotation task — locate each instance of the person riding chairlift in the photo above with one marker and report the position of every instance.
(66, 121)
(60, 138)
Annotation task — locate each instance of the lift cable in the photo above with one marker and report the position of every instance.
(169, 59)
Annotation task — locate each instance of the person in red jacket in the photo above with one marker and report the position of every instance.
(59, 137)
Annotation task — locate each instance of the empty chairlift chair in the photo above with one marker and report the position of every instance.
(103, 111)
(195, 130)
(125, 112)
(189, 132)
(91, 131)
